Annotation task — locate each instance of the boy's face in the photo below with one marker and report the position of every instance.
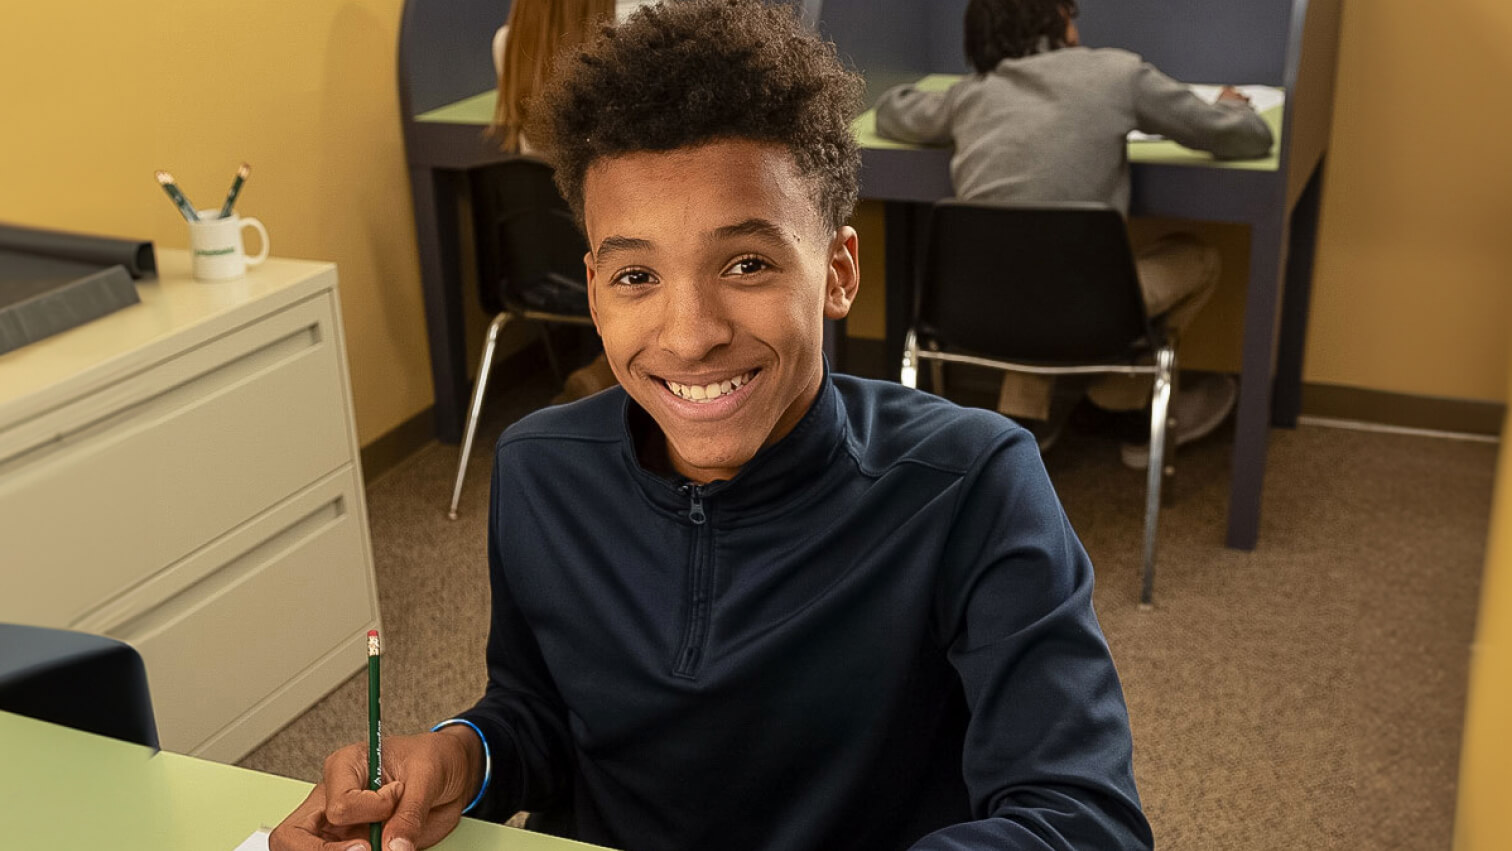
(710, 274)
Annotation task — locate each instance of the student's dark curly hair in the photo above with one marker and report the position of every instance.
(682, 74)
(1008, 29)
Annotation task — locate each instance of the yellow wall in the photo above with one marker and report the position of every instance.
(99, 95)
(1414, 278)
(1485, 789)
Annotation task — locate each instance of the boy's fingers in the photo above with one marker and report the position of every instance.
(300, 831)
(361, 806)
(408, 820)
(344, 771)
(309, 829)
(392, 792)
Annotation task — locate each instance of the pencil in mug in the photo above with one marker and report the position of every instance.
(375, 733)
(184, 207)
(236, 185)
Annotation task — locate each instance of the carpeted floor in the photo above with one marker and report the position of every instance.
(1306, 695)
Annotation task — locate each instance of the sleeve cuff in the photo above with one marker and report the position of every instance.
(487, 758)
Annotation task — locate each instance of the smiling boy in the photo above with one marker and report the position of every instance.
(710, 302)
(739, 602)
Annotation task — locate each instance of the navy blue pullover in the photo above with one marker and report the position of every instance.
(878, 635)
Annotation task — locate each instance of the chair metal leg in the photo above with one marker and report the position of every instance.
(908, 376)
(1165, 361)
(1168, 488)
(476, 407)
(936, 372)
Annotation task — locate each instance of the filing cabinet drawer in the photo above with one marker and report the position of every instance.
(144, 472)
(265, 603)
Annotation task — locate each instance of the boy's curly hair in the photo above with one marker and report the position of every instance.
(682, 74)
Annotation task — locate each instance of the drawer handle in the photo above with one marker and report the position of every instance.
(183, 394)
(211, 585)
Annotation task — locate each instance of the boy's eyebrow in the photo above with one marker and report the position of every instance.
(756, 227)
(613, 244)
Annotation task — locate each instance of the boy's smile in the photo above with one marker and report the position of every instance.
(710, 275)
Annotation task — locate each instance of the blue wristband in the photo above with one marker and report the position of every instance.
(487, 758)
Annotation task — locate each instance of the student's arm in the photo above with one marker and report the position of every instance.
(521, 714)
(1228, 129)
(1048, 754)
(906, 114)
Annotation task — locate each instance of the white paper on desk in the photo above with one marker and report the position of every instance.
(256, 842)
(1261, 98)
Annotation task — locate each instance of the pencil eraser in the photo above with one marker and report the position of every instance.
(372, 633)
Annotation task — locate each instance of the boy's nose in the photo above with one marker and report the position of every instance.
(693, 323)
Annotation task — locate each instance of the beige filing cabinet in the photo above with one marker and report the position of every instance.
(182, 474)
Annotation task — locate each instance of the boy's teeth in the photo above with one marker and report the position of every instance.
(707, 392)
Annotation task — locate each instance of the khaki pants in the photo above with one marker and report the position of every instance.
(1177, 274)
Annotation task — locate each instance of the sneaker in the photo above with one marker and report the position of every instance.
(1200, 406)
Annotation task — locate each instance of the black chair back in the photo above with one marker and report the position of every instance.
(87, 682)
(530, 251)
(1043, 284)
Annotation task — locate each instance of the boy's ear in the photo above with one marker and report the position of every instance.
(588, 274)
(844, 278)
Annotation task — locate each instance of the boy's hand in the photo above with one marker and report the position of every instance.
(432, 776)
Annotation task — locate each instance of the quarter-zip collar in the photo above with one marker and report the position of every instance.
(768, 480)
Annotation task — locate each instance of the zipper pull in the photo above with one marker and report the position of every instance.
(695, 504)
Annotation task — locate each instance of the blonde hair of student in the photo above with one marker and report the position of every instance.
(538, 29)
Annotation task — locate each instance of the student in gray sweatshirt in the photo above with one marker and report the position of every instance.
(1046, 120)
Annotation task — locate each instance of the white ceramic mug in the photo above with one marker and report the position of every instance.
(217, 249)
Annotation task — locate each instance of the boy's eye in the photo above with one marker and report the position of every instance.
(633, 278)
(747, 266)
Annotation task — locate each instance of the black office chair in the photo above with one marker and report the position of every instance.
(1045, 289)
(530, 266)
(84, 681)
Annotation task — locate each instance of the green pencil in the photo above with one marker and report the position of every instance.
(375, 733)
(185, 208)
(236, 185)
